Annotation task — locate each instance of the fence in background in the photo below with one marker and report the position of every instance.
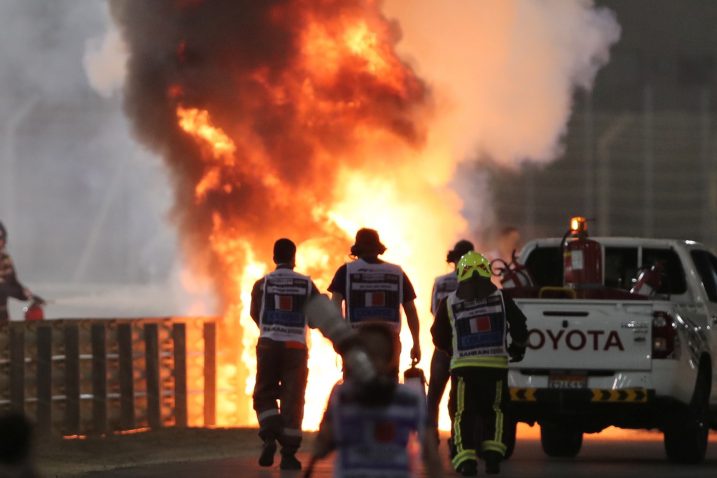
(94, 376)
(644, 171)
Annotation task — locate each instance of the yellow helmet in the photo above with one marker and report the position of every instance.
(473, 262)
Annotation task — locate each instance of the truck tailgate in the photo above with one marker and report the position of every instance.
(587, 334)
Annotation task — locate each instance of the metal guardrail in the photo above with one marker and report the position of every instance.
(94, 376)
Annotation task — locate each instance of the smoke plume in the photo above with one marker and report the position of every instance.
(504, 74)
(296, 116)
(299, 118)
(82, 201)
(504, 71)
(104, 61)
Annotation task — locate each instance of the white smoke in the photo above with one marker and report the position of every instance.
(84, 204)
(105, 61)
(504, 71)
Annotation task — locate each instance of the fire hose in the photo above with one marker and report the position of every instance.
(322, 314)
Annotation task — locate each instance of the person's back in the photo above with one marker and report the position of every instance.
(277, 307)
(443, 286)
(374, 291)
(373, 440)
(472, 324)
(371, 428)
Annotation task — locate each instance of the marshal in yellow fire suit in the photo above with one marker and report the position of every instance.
(472, 324)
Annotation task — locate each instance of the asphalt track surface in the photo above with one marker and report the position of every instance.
(599, 458)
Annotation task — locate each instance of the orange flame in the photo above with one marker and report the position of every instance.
(383, 179)
(197, 123)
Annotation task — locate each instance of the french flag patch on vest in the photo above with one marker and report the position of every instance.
(283, 302)
(480, 324)
(375, 299)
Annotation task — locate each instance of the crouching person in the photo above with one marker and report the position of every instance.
(371, 426)
(277, 306)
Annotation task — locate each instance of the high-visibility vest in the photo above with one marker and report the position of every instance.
(479, 331)
(373, 440)
(442, 287)
(282, 307)
(375, 292)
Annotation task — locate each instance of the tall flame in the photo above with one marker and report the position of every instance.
(293, 119)
(298, 119)
(399, 206)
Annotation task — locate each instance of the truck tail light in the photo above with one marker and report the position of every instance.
(664, 335)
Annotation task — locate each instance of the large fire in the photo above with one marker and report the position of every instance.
(297, 118)
(385, 209)
(361, 111)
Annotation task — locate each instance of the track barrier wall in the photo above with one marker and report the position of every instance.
(96, 376)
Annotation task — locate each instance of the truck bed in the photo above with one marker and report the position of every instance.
(589, 334)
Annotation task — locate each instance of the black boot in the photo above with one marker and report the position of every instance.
(492, 462)
(468, 468)
(267, 453)
(289, 462)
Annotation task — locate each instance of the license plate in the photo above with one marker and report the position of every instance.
(567, 380)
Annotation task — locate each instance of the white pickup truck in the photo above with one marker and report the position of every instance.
(642, 363)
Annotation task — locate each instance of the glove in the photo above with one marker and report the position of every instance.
(516, 352)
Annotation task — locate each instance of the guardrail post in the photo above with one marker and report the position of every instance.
(99, 378)
(126, 378)
(151, 347)
(48, 360)
(72, 379)
(210, 373)
(179, 338)
(17, 367)
(44, 378)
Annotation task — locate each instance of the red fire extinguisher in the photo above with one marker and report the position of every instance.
(649, 280)
(582, 257)
(415, 378)
(34, 310)
(512, 276)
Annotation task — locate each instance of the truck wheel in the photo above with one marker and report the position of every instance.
(560, 441)
(509, 428)
(686, 438)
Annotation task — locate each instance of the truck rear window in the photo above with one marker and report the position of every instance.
(621, 269)
(706, 265)
(674, 281)
(545, 265)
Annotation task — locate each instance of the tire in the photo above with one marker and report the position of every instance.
(509, 437)
(686, 438)
(560, 440)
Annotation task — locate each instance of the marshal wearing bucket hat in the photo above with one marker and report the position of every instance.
(367, 243)
(375, 291)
